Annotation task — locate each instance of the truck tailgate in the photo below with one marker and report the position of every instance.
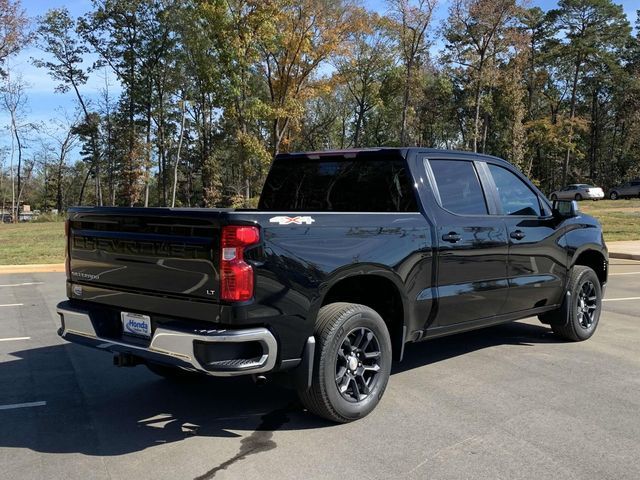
(167, 252)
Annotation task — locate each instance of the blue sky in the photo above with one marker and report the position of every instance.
(44, 104)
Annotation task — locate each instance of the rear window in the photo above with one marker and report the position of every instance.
(459, 187)
(338, 185)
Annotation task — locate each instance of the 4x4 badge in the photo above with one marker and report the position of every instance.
(289, 220)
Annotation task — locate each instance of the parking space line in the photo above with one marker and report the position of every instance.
(611, 274)
(13, 339)
(23, 284)
(22, 405)
(620, 299)
(12, 305)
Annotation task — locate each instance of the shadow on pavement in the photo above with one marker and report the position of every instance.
(117, 411)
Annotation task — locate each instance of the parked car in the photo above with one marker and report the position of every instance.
(578, 191)
(349, 256)
(627, 189)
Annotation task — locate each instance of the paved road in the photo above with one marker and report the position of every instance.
(508, 402)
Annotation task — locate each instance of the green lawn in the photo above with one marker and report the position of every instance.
(620, 219)
(31, 243)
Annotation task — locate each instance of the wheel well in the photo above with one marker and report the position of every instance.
(377, 293)
(594, 260)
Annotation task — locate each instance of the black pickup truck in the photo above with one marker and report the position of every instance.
(349, 256)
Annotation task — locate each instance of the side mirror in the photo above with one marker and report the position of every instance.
(566, 208)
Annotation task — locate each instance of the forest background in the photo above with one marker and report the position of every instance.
(185, 103)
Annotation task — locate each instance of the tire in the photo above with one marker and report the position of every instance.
(345, 333)
(173, 374)
(613, 195)
(585, 305)
(553, 197)
(578, 197)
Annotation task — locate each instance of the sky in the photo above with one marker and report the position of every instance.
(44, 103)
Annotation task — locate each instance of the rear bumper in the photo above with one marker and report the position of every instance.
(595, 196)
(179, 348)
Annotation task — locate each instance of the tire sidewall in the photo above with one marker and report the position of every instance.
(363, 318)
(581, 332)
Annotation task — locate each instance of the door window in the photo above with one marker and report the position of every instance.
(459, 187)
(516, 197)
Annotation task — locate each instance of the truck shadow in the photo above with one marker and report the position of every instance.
(95, 409)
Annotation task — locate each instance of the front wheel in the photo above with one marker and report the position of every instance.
(613, 195)
(584, 304)
(554, 197)
(578, 197)
(352, 365)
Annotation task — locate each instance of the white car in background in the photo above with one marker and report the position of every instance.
(578, 191)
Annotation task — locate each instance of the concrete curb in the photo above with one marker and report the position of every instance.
(46, 268)
(624, 256)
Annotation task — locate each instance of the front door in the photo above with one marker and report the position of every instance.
(537, 259)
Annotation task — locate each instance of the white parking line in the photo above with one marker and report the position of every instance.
(23, 284)
(22, 405)
(620, 299)
(12, 305)
(611, 274)
(14, 339)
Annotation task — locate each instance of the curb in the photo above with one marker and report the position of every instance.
(46, 268)
(625, 256)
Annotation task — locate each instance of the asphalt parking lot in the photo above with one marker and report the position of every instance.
(507, 402)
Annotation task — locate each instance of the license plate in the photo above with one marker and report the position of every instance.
(136, 324)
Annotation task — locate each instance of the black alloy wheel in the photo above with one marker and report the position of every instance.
(357, 367)
(586, 305)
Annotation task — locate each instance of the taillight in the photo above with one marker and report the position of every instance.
(236, 275)
(67, 253)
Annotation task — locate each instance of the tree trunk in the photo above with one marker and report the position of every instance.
(572, 114)
(405, 103)
(476, 123)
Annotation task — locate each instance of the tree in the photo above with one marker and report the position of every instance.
(475, 35)
(13, 30)
(57, 37)
(14, 99)
(304, 34)
(362, 69)
(412, 23)
(595, 31)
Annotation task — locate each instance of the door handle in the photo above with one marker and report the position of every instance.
(518, 235)
(452, 237)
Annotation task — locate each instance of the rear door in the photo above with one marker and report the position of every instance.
(537, 259)
(472, 244)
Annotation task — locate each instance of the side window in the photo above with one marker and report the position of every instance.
(459, 187)
(516, 197)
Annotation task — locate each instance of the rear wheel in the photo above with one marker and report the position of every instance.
(554, 197)
(578, 197)
(352, 364)
(613, 195)
(584, 306)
